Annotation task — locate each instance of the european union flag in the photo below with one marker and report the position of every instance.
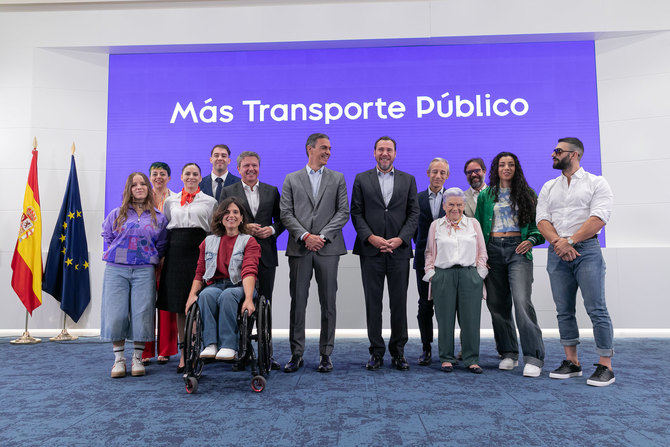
(66, 272)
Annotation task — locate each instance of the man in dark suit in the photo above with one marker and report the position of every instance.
(314, 208)
(212, 184)
(430, 208)
(385, 213)
(261, 202)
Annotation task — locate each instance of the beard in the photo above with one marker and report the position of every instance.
(562, 164)
(476, 183)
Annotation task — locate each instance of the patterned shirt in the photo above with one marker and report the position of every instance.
(505, 217)
(137, 242)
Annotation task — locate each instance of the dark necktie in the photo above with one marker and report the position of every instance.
(219, 187)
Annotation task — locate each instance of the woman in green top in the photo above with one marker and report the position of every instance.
(506, 213)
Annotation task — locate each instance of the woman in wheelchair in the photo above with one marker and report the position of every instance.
(227, 267)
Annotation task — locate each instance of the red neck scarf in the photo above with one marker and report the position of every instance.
(454, 225)
(187, 197)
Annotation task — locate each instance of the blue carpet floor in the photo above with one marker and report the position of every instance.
(62, 395)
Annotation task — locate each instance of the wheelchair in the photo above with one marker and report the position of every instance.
(260, 364)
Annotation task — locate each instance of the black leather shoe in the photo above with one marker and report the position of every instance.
(274, 365)
(325, 365)
(400, 363)
(426, 357)
(375, 362)
(294, 364)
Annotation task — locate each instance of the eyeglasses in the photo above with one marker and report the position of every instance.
(559, 151)
(473, 171)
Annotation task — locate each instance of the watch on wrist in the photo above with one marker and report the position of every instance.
(570, 241)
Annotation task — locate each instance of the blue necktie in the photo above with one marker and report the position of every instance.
(219, 187)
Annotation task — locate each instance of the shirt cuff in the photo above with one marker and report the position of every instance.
(482, 271)
(302, 236)
(429, 274)
(273, 230)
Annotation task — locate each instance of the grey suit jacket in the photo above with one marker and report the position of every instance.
(301, 212)
(470, 204)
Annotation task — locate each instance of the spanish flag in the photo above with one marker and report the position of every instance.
(27, 260)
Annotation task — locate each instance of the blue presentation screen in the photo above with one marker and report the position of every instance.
(454, 102)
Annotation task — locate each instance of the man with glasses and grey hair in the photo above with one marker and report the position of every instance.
(571, 211)
(475, 171)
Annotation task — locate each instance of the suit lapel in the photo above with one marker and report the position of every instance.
(374, 181)
(325, 180)
(303, 177)
(396, 185)
(243, 196)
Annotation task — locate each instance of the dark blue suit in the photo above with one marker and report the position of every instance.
(425, 315)
(206, 183)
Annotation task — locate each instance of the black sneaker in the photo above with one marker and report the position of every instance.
(602, 376)
(566, 370)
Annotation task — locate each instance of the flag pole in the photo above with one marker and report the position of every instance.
(26, 338)
(64, 334)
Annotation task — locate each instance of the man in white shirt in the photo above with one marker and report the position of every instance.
(571, 211)
(475, 171)
(213, 183)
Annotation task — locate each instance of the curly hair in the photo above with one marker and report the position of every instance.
(149, 203)
(217, 225)
(523, 198)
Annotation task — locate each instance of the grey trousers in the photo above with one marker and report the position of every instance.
(325, 270)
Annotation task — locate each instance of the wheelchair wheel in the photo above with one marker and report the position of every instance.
(191, 385)
(193, 343)
(264, 337)
(258, 383)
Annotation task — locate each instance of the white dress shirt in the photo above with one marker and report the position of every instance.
(567, 207)
(252, 197)
(214, 184)
(197, 214)
(455, 246)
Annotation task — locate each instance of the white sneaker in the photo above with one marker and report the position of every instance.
(209, 352)
(508, 364)
(226, 354)
(137, 368)
(531, 370)
(119, 369)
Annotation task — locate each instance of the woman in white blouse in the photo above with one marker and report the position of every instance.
(189, 214)
(456, 268)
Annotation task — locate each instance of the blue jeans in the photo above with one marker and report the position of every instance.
(219, 303)
(128, 303)
(588, 273)
(510, 280)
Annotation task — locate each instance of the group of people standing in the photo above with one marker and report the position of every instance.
(470, 245)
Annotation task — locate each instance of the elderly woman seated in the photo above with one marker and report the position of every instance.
(228, 266)
(456, 268)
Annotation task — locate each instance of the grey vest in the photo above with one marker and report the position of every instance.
(212, 253)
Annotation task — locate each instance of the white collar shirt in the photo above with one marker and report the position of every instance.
(214, 184)
(197, 214)
(253, 198)
(455, 246)
(568, 206)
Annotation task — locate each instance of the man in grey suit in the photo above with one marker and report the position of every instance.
(475, 171)
(385, 214)
(314, 208)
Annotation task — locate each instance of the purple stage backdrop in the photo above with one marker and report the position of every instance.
(455, 102)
